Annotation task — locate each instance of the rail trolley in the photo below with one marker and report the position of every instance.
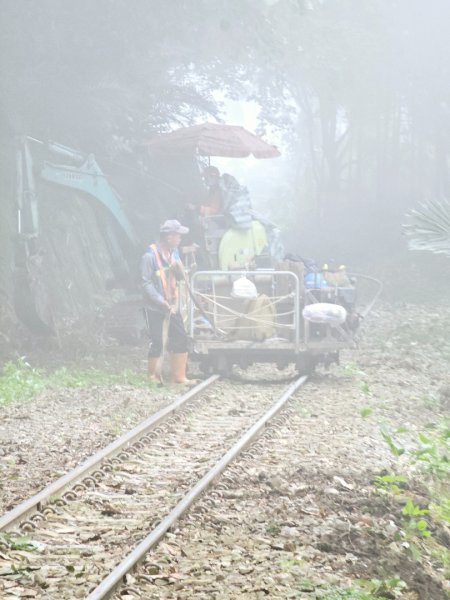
(272, 327)
(287, 318)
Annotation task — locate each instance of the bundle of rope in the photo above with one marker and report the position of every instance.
(247, 319)
(258, 321)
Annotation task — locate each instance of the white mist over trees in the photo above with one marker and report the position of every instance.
(358, 89)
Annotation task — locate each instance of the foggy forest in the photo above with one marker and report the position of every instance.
(225, 218)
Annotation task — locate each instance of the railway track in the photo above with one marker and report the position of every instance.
(124, 499)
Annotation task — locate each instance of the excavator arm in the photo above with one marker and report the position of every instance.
(59, 165)
(85, 176)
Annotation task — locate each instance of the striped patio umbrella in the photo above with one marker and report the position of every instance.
(213, 139)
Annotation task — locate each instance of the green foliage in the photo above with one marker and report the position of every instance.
(24, 543)
(433, 448)
(388, 437)
(414, 526)
(432, 454)
(390, 483)
(361, 589)
(292, 563)
(273, 528)
(440, 510)
(365, 389)
(348, 593)
(366, 412)
(20, 381)
(353, 371)
(434, 451)
(412, 510)
(442, 556)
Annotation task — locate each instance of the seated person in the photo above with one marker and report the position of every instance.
(225, 196)
(214, 201)
(214, 206)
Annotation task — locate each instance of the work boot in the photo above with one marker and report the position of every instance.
(152, 368)
(178, 364)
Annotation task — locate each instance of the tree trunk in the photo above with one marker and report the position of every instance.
(8, 228)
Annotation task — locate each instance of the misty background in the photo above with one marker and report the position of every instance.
(355, 93)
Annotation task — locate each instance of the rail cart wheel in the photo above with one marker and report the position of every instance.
(305, 365)
(222, 365)
(206, 367)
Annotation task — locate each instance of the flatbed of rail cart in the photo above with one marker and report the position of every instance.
(271, 329)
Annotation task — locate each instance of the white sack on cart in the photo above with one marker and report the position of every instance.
(323, 312)
(244, 288)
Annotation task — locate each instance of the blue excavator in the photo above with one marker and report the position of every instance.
(74, 240)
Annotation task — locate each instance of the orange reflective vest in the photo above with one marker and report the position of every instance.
(169, 284)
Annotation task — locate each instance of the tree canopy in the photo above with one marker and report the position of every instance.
(358, 90)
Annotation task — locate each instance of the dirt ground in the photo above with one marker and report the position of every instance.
(303, 520)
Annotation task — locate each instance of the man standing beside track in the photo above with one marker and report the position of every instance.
(161, 269)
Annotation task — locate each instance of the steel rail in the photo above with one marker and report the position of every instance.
(21, 511)
(115, 578)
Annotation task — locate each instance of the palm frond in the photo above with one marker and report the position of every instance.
(428, 227)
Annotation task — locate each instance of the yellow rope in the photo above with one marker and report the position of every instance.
(235, 314)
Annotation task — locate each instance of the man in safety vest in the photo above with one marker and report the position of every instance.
(161, 268)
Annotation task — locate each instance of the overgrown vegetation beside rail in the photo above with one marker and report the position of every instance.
(20, 381)
(362, 589)
(414, 492)
(423, 497)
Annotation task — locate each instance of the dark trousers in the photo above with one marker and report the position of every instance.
(177, 338)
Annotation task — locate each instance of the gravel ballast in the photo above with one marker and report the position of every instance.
(306, 510)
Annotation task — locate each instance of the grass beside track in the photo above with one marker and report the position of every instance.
(20, 381)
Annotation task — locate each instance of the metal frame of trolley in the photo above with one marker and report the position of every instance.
(230, 330)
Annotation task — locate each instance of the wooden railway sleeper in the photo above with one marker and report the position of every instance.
(244, 457)
(131, 591)
(79, 487)
(199, 510)
(215, 493)
(71, 495)
(230, 478)
(28, 525)
(234, 473)
(146, 578)
(117, 575)
(133, 450)
(90, 481)
(222, 486)
(258, 447)
(37, 517)
(48, 510)
(154, 524)
(227, 480)
(209, 501)
(251, 455)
